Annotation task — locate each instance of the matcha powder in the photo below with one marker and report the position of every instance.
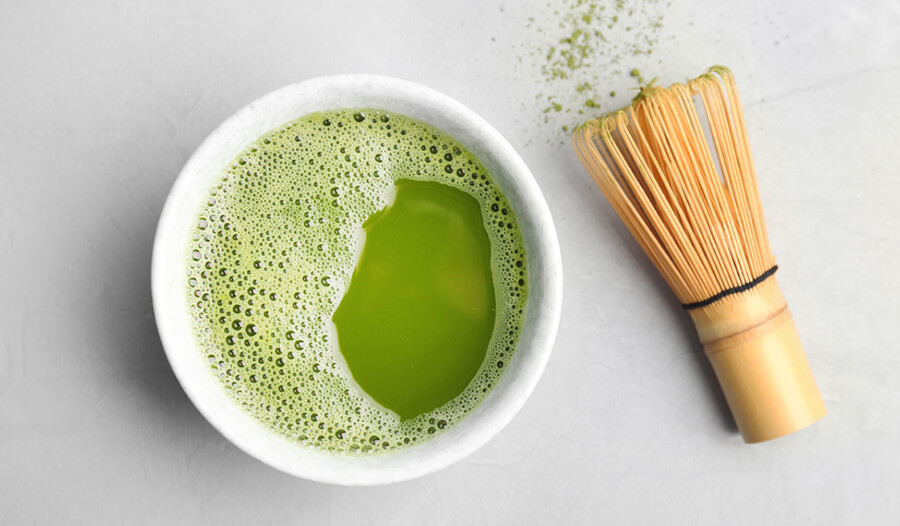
(581, 50)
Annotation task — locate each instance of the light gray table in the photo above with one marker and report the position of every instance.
(102, 102)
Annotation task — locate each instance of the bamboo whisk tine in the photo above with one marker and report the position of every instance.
(688, 194)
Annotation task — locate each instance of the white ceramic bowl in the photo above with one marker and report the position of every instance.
(508, 170)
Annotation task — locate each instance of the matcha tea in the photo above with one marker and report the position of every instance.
(417, 319)
(357, 281)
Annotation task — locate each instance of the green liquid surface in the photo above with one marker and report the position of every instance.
(416, 322)
(357, 281)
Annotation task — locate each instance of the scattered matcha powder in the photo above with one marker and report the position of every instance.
(581, 46)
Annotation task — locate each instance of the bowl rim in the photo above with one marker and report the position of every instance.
(400, 96)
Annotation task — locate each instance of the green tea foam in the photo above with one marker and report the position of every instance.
(273, 252)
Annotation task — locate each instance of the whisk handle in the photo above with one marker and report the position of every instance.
(767, 379)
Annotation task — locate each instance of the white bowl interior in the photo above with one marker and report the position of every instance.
(503, 163)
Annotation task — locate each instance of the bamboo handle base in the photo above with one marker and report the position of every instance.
(758, 358)
(767, 380)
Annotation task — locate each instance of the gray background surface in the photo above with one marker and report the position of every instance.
(101, 103)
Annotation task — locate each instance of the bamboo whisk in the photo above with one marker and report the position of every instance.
(689, 197)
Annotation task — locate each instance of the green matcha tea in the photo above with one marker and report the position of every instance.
(417, 319)
(357, 281)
